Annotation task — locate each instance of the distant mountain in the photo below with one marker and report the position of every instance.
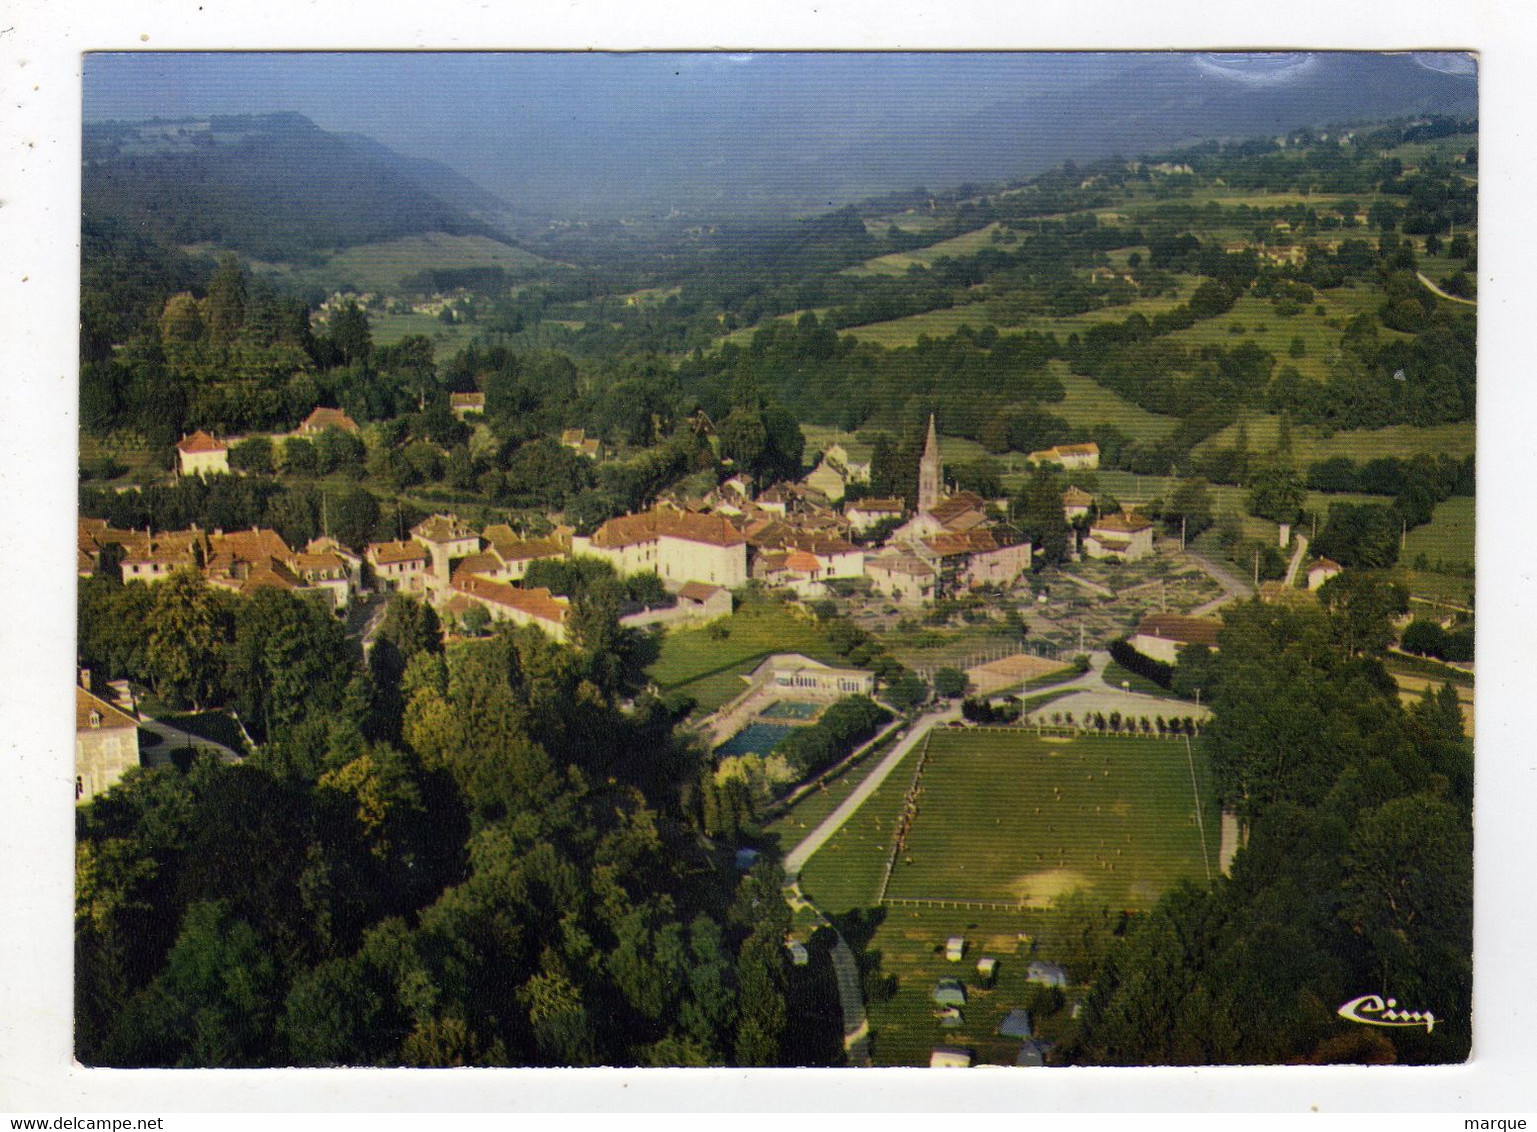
(274, 187)
(443, 182)
(1154, 105)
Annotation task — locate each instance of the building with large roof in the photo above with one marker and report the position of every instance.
(201, 455)
(106, 744)
(679, 546)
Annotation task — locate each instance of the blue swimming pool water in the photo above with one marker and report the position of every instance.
(790, 709)
(754, 739)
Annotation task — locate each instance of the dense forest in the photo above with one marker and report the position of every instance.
(1357, 875)
(452, 856)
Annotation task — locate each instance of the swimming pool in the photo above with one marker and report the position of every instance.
(791, 709)
(754, 739)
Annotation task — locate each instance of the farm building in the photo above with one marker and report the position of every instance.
(1032, 1052)
(323, 418)
(106, 744)
(1076, 502)
(1321, 571)
(806, 677)
(1162, 635)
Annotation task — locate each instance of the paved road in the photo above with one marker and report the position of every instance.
(856, 1025)
(1233, 587)
(1297, 556)
(175, 739)
(818, 837)
(1442, 294)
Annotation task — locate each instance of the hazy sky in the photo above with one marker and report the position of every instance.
(535, 126)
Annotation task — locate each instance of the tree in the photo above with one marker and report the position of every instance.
(184, 639)
(1277, 493)
(252, 455)
(299, 458)
(350, 333)
(353, 516)
(950, 683)
(1190, 504)
(907, 691)
(226, 303)
(1040, 515)
(1362, 607)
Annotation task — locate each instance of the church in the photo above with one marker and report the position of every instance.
(954, 535)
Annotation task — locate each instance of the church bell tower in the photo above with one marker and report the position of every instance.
(928, 471)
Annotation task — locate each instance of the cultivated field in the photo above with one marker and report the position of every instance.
(1005, 816)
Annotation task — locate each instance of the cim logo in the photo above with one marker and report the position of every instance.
(1373, 1011)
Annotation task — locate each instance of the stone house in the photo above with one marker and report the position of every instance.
(201, 454)
(106, 744)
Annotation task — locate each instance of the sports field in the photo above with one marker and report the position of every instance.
(1007, 816)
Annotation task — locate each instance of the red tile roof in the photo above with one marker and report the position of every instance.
(1176, 627)
(699, 591)
(323, 418)
(1124, 523)
(381, 553)
(628, 530)
(443, 528)
(537, 602)
(200, 441)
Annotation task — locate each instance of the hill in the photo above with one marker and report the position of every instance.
(274, 187)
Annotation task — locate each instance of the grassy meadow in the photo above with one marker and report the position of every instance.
(1006, 816)
(710, 669)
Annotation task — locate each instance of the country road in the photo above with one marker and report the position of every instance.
(818, 837)
(1440, 294)
(1233, 588)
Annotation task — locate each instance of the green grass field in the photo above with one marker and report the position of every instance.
(710, 670)
(1264, 327)
(1005, 816)
(381, 266)
(1358, 444)
(387, 329)
(897, 263)
(1088, 403)
(1447, 540)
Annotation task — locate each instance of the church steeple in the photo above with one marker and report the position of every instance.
(928, 470)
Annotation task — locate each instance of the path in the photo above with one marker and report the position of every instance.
(797, 857)
(1297, 556)
(1233, 588)
(1103, 591)
(1440, 294)
(856, 1025)
(175, 739)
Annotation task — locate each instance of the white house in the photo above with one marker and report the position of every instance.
(1321, 571)
(679, 546)
(866, 513)
(1127, 535)
(201, 454)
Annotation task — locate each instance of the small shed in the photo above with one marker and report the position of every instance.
(1016, 1024)
(949, 992)
(955, 948)
(948, 1057)
(1045, 974)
